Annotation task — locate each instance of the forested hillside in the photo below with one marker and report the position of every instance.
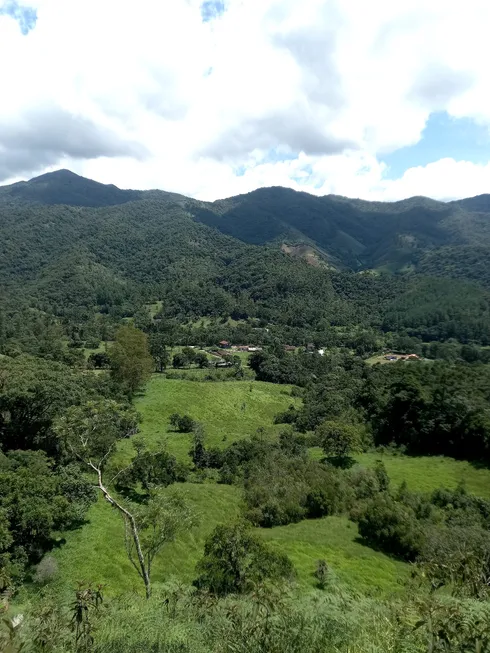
(77, 250)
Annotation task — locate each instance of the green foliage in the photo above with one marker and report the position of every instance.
(33, 392)
(183, 423)
(436, 409)
(201, 360)
(158, 343)
(458, 558)
(269, 620)
(74, 270)
(99, 360)
(322, 573)
(34, 503)
(390, 526)
(150, 469)
(235, 560)
(339, 441)
(99, 262)
(281, 490)
(131, 363)
(87, 600)
(179, 360)
(89, 432)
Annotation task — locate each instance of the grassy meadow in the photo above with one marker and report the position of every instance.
(96, 553)
(228, 410)
(425, 473)
(232, 410)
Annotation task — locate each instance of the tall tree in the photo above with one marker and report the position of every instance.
(339, 440)
(159, 351)
(131, 361)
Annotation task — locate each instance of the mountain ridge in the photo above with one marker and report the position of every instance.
(345, 232)
(68, 175)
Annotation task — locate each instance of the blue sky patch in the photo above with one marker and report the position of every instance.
(25, 16)
(211, 9)
(278, 154)
(458, 138)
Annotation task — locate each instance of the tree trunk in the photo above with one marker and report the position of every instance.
(143, 571)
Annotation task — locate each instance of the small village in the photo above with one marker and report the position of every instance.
(225, 348)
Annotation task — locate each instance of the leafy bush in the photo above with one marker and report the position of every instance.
(235, 560)
(339, 441)
(458, 558)
(281, 490)
(183, 423)
(390, 526)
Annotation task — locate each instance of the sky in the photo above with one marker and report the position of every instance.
(380, 100)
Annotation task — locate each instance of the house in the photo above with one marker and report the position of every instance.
(254, 348)
(224, 344)
(391, 358)
(321, 352)
(413, 357)
(289, 348)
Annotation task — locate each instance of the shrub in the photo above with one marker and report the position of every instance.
(364, 483)
(235, 560)
(322, 573)
(390, 526)
(329, 494)
(183, 423)
(458, 558)
(46, 570)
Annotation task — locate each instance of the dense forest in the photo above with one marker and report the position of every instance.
(176, 376)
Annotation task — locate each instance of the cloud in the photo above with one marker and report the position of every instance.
(44, 135)
(287, 129)
(195, 99)
(438, 85)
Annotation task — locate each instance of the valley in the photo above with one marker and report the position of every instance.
(268, 414)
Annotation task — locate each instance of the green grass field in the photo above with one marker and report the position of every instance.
(229, 410)
(96, 553)
(424, 474)
(335, 539)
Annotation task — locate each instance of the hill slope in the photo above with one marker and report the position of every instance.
(65, 187)
(347, 233)
(356, 233)
(69, 242)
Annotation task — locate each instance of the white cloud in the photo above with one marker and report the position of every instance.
(162, 99)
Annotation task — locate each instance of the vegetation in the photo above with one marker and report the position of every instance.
(235, 560)
(131, 362)
(302, 498)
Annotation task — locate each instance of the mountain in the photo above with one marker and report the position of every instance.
(77, 249)
(65, 187)
(345, 233)
(352, 233)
